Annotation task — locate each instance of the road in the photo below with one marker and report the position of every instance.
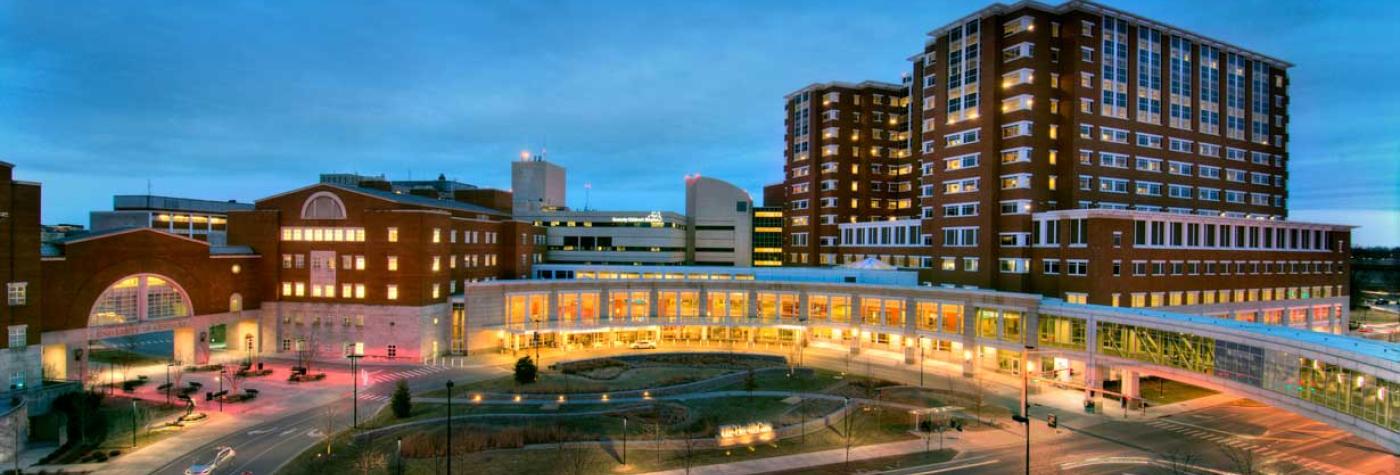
(1205, 436)
(264, 448)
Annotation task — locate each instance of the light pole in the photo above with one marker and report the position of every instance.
(167, 382)
(848, 431)
(624, 440)
(220, 377)
(449, 427)
(921, 363)
(133, 423)
(354, 390)
(398, 453)
(1025, 417)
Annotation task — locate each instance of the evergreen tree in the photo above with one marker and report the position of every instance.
(402, 401)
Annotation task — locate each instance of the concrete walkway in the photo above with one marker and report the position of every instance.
(963, 443)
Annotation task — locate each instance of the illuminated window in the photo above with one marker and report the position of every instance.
(393, 264)
(393, 234)
(392, 292)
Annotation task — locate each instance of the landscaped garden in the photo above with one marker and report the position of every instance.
(573, 417)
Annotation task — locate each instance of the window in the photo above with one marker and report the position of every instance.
(1013, 265)
(1016, 181)
(960, 210)
(960, 162)
(392, 264)
(141, 297)
(1115, 160)
(1017, 78)
(961, 138)
(1113, 185)
(18, 293)
(392, 292)
(1180, 145)
(967, 185)
(1021, 102)
(1179, 168)
(393, 234)
(1146, 164)
(1017, 51)
(1109, 134)
(1210, 172)
(18, 336)
(1149, 140)
(960, 237)
(1050, 266)
(970, 264)
(1077, 267)
(1016, 155)
(1179, 191)
(1024, 23)
(1016, 207)
(1016, 129)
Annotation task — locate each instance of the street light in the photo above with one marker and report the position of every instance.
(167, 382)
(848, 430)
(354, 389)
(624, 440)
(398, 453)
(220, 377)
(449, 426)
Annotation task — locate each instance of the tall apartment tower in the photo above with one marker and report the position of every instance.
(536, 185)
(1028, 108)
(847, 160)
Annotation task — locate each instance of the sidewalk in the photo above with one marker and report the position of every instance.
(964, 443)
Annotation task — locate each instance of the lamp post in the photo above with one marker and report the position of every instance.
(449, 427)
(167, 382)
(133, 423)
(354, 389)
(220, 377)
(398, 453)
(624, 440)
(848, 430)
(921, 363)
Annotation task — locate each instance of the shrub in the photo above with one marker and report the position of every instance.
(402, 401)
(525, 371)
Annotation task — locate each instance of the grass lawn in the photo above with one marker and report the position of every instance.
(551, 382)
(818, 380)
(868, 427)
(1160, 391)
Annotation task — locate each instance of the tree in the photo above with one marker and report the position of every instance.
(1242, 461)
(1178, 461)
(328, 418)
(402, 401)
(750, 383)
(525, 371)
(370, 461)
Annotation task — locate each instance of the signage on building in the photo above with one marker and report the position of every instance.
(653, 217)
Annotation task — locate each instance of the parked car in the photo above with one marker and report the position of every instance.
(221, 457)
(643, 345)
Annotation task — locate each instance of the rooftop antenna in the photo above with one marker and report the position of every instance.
(587, 187)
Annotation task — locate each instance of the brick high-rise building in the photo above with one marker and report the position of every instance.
(1028, 108)
(847, 160)
(1087, 153)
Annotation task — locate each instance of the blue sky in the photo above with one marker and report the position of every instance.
(244, 100)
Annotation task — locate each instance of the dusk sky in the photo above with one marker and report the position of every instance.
(245, 100)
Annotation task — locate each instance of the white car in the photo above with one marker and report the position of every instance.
(643, 345)
(223, 456)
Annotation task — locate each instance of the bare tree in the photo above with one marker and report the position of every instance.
(370, 461)
(1242, 461)
(328, 417)
(1178, 461)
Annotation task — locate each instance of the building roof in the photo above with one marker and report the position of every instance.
(57, 248)
(411, 199)
(1097, 8)
(861, 85)
(231, 251)
(170, 203)
(1139, 214)
(403, 198)
(869, 263)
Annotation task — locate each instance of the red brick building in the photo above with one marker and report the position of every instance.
(1031, 124)
(373, 270)
(847, 160)
(20, 252)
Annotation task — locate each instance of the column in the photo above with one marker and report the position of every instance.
(910, 333)
(1131, 388)
(183, 339)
